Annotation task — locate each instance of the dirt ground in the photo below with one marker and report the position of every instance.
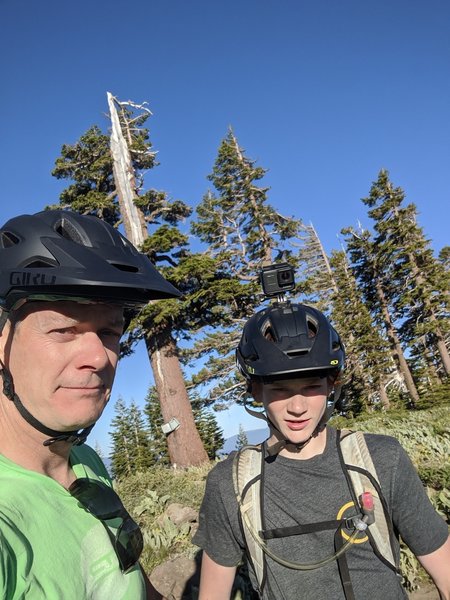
(426, 592)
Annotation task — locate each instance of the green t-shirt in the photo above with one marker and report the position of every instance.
(50, 547)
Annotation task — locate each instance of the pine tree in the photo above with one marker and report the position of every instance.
(368, 267)
(142, 453)
(99, 450)
(89, 164)
(418, 281)
(241, 439)
(369, 369)
(121, 460)
(444, 259)
(243, 233)
(208, 428)
(132, 451)
(205, 421)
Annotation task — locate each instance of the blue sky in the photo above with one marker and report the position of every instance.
(323, 94)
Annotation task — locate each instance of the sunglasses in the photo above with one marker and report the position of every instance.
(103, 502)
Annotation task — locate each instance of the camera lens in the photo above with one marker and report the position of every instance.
(285, 277)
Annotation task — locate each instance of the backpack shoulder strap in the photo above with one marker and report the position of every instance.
(364, 478)
(247, 468)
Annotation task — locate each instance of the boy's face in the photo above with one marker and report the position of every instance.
(295, 406)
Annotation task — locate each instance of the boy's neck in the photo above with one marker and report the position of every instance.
(314, 447)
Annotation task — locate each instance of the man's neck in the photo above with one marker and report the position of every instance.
(23, 445)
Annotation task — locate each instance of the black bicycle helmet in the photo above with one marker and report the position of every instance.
(59, 252)
(289, 339)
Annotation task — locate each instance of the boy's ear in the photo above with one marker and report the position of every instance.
(255, 389)
(4, 331)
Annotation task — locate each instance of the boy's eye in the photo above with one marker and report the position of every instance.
(313, 387)
(280, 390)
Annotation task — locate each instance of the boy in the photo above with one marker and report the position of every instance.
(316, 537)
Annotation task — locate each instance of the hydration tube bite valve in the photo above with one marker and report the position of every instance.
(368, 513)
(367, 507)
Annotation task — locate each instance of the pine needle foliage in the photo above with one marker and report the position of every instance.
(131, 445)
(368, 266)
(419, 285)
(243, 232)
(368, 363)
(242, 439)
(404, 287)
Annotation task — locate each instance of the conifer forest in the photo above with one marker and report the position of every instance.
(385, 289)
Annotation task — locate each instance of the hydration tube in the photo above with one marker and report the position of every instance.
(361, 526)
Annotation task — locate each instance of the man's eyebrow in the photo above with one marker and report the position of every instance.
(116, 322)
(59, 319)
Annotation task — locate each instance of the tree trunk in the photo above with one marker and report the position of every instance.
(443, 352)
(184, 443)
(384, 398)
(185, 446)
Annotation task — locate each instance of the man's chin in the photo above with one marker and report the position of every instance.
(77, 425)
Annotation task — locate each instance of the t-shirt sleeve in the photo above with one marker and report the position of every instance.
(7, 570)
(219, 532)
(87, 457)
(15, 560)
(415, 518)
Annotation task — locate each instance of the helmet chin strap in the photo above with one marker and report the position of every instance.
(74, 437)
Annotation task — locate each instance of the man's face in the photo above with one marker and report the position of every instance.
(295, 406)
(62, 357)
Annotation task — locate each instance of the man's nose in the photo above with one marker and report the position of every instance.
(92, 352)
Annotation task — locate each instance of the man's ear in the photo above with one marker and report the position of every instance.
(4, 338)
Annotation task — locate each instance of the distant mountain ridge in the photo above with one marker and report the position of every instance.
(254, 436)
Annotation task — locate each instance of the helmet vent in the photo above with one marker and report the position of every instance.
(295, 353)
(41, 264)
(127, 268)
(68, 230)
(312, 328)
(268, 332)
(8, 239)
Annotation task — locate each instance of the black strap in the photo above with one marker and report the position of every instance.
(342, 563)
(278, 532)
(74, 437)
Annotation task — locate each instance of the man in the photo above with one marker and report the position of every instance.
(67, 285)
(308, 510)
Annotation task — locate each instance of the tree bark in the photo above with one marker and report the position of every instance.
(384, 398)
(184, 444)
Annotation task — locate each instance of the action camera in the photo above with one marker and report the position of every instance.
(277, 279)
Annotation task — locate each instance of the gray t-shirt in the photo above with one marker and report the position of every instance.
(314, 490)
